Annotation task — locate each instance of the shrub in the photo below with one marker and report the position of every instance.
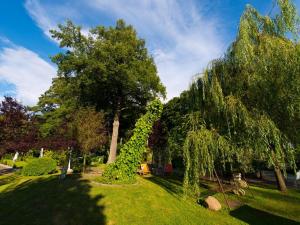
(39, 166)
(61, 157)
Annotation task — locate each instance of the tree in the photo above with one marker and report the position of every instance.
(18, 128)
(157, 142)
(202, 149)
(125, 167)
(109, 69)
(251, 96)
(174, 117)
(90, 129)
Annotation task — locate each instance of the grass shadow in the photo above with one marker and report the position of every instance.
(206, 193)
(172, 186)
(7, 179)
(6, 171)
(254, 216)
(276, 195)
(51, 201)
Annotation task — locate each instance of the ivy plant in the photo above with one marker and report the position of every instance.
(123, 170)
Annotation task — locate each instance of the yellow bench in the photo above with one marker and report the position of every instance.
(144, 169)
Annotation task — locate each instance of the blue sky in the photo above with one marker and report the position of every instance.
(181, 35)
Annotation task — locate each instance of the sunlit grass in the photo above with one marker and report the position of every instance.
(152, 200)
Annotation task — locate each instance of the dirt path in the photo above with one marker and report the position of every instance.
(4, 169)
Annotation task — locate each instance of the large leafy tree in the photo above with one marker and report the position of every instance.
(56, 109)
(109, 69)
(249, 99)
(18, 127)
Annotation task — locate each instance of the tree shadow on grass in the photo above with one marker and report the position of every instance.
(276, 195)
(7, 179)
(172, 186)
(254, 216)
(50, 201)
(206, 193)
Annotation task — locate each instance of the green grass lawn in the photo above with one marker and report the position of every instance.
(11, 163)
(82, 201)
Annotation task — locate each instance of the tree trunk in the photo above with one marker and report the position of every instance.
(261, 174)
(278, 175)
(84, 162)
(114, 140)
(280, 180)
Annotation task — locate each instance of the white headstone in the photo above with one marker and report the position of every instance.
(69, 164)
(69, 170)
(298, 175)
(42, 153)
(16, 156)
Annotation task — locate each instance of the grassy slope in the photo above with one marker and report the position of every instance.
(270, 206)
(47, 200)
(10, 162)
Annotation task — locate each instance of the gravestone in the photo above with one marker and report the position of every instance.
(15, 157)
(297, 178)
(69, 170)
(42, 153)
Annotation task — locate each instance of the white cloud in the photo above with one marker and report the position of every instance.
(39, 14)
(182, 40)
(48, 15)
(27, 71)
(181, 36)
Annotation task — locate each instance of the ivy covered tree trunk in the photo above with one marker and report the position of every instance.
(280, 180)
(114, 140)
(125, 167)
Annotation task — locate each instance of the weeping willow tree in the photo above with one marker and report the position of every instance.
(201, 150)
(250, 98)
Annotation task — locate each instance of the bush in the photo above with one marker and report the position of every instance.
(7, 156)
(40, 166)
(61, 157)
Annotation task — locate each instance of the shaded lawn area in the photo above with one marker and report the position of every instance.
(47, 200)
(153, 200)
(269, 206)
(255, 216)
(260, 205)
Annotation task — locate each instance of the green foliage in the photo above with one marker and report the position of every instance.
(61, 157)
(250, 98)
(90, 129)
(39, 166)
(170, 138)
(124, 169)
(109, 69)
(202, 149)
(17, 164)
